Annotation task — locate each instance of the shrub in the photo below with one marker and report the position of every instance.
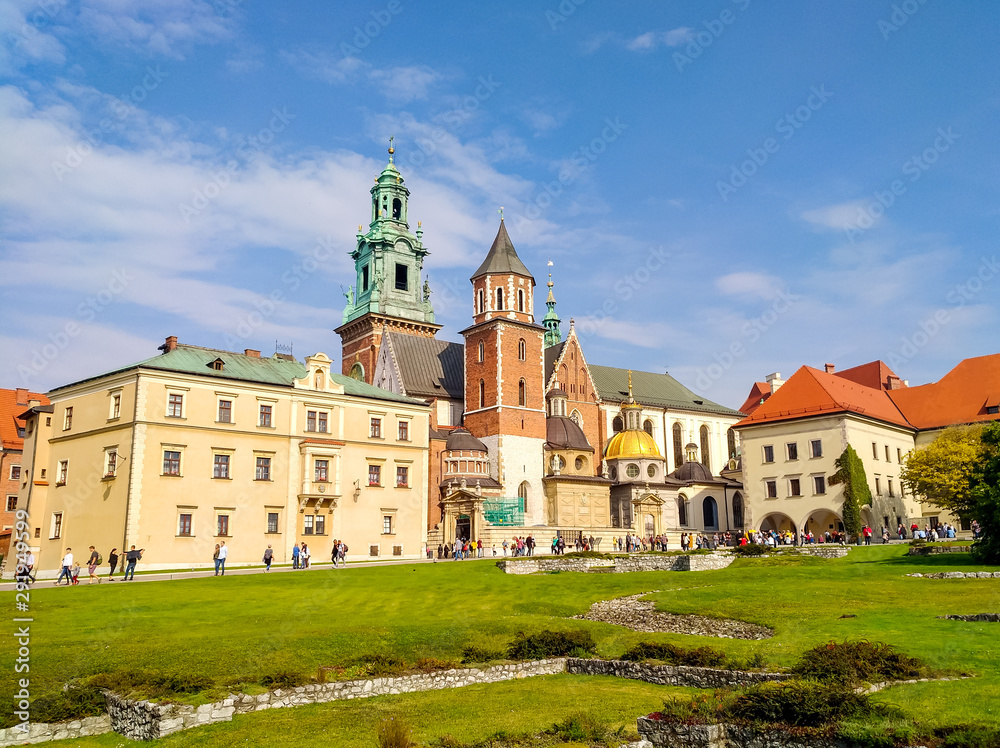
(149, 683)
(585, 728)
(73, 703)
(284, 679)
(379, 665)
(668, 653)
(550, 644)
(851, 663)
(751, 549)
(473, 653)
(432, 664)
(394, 733)
(968, 736)
(803, 704)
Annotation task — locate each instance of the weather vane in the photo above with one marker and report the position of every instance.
(501, 212)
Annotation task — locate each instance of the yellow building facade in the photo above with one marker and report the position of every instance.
(197, 446)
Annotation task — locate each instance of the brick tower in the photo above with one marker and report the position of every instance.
(504, 374)
(387, 294)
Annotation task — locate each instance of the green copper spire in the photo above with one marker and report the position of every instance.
(553, 335)
(389, 257)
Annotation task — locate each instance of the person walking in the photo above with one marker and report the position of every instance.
(268, 557)
(223, 555)
(215, 559)
(335, 554)
(92, 563)
(67, 568)
(25, 568)
(113, 563)
(131, 559)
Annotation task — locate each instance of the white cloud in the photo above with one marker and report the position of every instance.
(324, 66)
(405, 84)
(651, 40)
(836, 217)
(748, 284)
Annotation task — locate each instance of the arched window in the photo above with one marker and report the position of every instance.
(705, 459)
(651, 470)
(481, 298)
(682, 515)
(523, 493)
(731, 442)
(710, 510)
(358, 371)
(576, 417)
(678, 446)
(482, 393)
(581, 463)
(397, 208)
(522, 397)
(737, 510)
(617, 424)
(499, 299)
(521, 350)
(482, 351)
(520, 299)
(583, 381)
(647, 426)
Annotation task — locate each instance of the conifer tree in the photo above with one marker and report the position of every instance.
(851, 475)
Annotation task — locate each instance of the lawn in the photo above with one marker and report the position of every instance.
(242, 628)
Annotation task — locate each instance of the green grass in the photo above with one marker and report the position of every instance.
(241, 629)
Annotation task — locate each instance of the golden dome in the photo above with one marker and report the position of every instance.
(631, 444)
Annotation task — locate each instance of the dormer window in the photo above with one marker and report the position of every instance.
(217, 365)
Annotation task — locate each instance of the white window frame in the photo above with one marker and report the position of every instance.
(182, 392)
(164, 448)
(114, 395)
(54, 526)
(17, 468)
(813, 452)
(191, 510)
(229, 454)
(62, 472)
(111, 470)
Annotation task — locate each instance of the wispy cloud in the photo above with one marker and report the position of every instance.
(651, 40)
(749, 285)
(405, 84)
(835, 217)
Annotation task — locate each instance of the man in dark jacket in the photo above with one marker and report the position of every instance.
(131, 558)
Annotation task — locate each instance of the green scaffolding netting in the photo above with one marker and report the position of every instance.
(504, 510)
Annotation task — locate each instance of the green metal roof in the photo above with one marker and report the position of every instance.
(654, 390)
(276, 370)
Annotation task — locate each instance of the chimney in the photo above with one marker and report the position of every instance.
(34, 403)
(829, 368)
(22, 396)
(775, 381)
(893, 383)
(170, 345)
(251, 353)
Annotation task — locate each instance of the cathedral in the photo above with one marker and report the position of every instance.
(527, 437)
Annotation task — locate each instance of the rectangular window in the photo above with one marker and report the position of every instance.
(401, 277)
(892, 493)
(63, 473)
(171, 463)
(225, 411)
(888, 458)
(184, 524)
(899, 455)
(793, 450)
(263, 471)
(307, 524)
(56, 526)
(375, 428)
(272, 522)
(874, 451)
(793, 487)
(768, 453)
(387, 524)
(12, 502)
(816, 448)
(321, 422)
(175, 406)
(321, 470)
(321, 524)
(772, 489)
(222, 524)
(374, 475)
(878, 486)
(116, 406)
(310, 420)
(68, 419)
(15, 472)
(819, 484)
(265, 415)
(111, 464)
(402, 477)
(364, 278)
(404, 431)
(221, 466)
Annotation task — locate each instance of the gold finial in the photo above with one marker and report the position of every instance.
(391, 149)
(550, 275)
(419, 224)
(359, 228)
(629, 384)
(501, 212)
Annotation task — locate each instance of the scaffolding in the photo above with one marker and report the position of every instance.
(504, 511)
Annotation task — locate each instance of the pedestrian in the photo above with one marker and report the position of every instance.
(67, 568)
(131, 559)
(304, 554)
(295, 556)
(93, 562)
(25, 567)
(216, 559)
(76, 573)
(113, 563)
(268, 557)
(223, 555)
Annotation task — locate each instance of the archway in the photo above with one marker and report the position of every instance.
(710, 513)
(822, 521)
(777, 522)
(738, 510)
(463, 527)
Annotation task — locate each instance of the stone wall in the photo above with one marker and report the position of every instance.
(618, 564)
(934, 550)
(671, 735)
(40, 732)
(825, 551)
(976, 618)
(959, 575)
(671, 675)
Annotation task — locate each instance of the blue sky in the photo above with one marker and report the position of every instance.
(725, 189)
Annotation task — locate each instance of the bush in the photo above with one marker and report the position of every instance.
(473, 653)
(803, 704)
(550, 644)
(751, 549)
(73, 703)
(852, 663)
(394, 733)
(149, 683)
(284, 679)
(584, 728)
(968, 736)
(668, 653)
(432, 664)
(379, 665)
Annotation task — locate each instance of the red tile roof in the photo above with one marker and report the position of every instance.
(875, 374)
(758, 394)
(960, 396)
(12, 404)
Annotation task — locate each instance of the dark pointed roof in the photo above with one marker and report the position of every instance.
(429, 367)
(502, 258)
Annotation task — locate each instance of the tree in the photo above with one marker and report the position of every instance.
(851, 475)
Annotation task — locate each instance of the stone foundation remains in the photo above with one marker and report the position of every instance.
(617, 564)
